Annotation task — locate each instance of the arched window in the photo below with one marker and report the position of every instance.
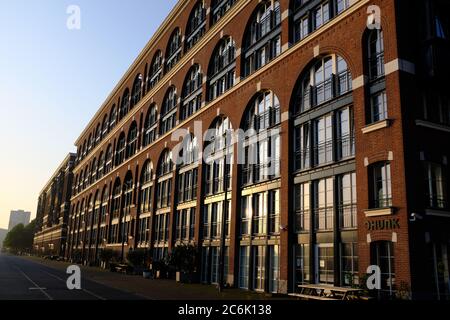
(116, 203)
(84, 149)
(146, 188)
(164, 187)
(105, 125)
(219, 8)
(101, 165)
(187, 176)
(128, 193)
(169, 111)
(261, 146)
(87, 176)
(192, 93)
(326, 79)
(155, 71)
(375, 51)
(98, 134)
(125, 105)
(377, 108)
(173, 52)
(80, 182)
(222, 68)
(218, 144)
(90, 143)
(108, 159)
(137, 90)
(104, 208)
(94, 171)
(151, 125)
(265, 25)
(132, 140)
(330, 137)
(163, 200)
(121, 148)
(165, 163)
(113, 117)
(196, 26)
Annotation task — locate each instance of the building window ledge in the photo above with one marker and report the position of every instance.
(376, 126)
(432, 125)
(438, 213)
(379, 212)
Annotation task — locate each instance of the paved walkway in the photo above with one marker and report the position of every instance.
(155, 289)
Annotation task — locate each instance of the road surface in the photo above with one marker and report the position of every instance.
(21, 279)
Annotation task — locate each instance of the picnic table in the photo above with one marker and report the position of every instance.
(323, 292)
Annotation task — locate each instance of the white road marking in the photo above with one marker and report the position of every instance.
(84, 290)
(35, 284)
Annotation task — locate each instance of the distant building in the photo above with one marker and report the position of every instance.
(18, 217)
(3, 233)
(53, 210)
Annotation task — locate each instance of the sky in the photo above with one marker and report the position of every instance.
(53, 80)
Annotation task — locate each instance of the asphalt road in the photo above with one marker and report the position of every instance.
(21, 279)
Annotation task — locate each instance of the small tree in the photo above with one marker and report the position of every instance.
(108, 255)
(184, 258)
(137, 257)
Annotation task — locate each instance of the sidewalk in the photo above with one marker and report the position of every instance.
(157, 289)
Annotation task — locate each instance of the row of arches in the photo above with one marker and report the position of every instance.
(325, 79)
(261, 43)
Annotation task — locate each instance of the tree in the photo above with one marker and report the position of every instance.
(20, 238)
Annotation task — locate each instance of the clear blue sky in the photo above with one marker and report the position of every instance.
(53, 80)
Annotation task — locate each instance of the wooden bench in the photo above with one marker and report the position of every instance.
(308, 297)
(322, 292)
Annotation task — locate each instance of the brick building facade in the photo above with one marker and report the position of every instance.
(52, 214)
(351, 177)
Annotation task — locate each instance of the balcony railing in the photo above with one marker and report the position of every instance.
(323, 218)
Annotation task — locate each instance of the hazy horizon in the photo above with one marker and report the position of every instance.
(53, 80)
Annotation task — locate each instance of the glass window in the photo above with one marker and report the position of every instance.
(436, 186)
(324, 204)
(381, 185)
(302, 207)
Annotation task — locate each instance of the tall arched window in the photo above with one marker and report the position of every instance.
(146, 184)
(151, 125)
(375, 52)
(105, 126)
(132, 140)
(155, 71)
(219, 8)
(261, 146)
(101, 165)
(187, 175)
(115, 212)
(169, 111)
(163, 202)
(326, 79)
(217, 145)
(108, 159)
(173, 52)
(137, 90)
(121, 148)
(128, 188)
(330, 137)
(94, 171)
(196, 26)
(103, 214)
(222, 68)
(192, 93)
(377, 109)
(113, 117)
(98, 134)
(262, 41)
(125, 105)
